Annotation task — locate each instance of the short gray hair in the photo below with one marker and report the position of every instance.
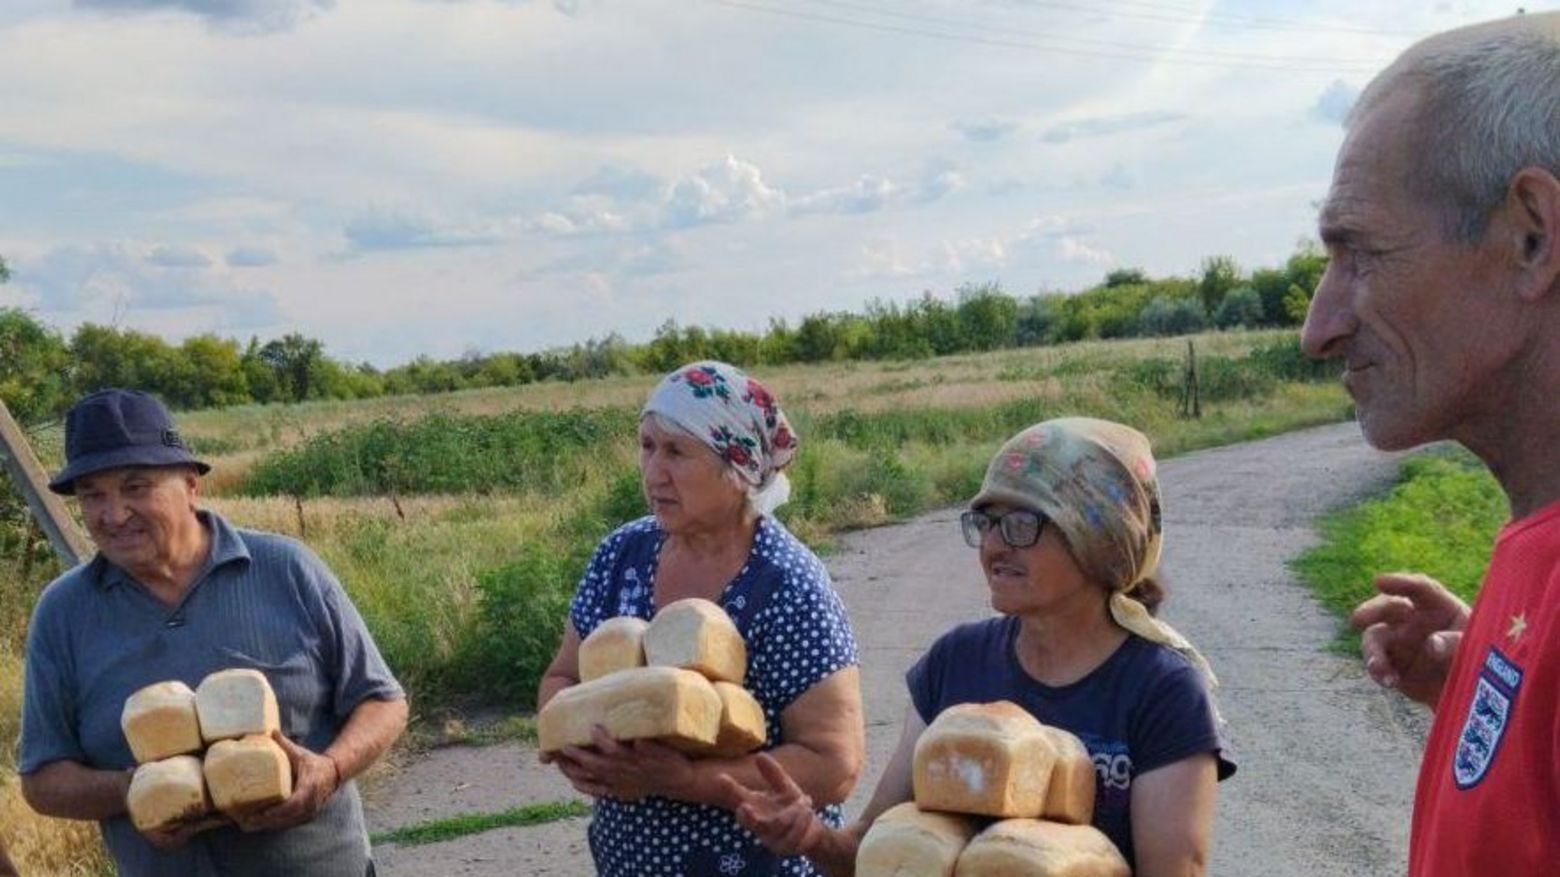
(1489, 106)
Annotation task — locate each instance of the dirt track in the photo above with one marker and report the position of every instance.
(1327, 760)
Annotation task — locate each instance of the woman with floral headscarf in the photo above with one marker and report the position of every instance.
(713, 442)
(1068, 527)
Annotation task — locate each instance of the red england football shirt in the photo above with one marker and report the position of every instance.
(1488, 801)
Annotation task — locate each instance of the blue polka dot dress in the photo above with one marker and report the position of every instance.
(797, 634)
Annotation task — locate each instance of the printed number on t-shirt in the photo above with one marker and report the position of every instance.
(1115, 770)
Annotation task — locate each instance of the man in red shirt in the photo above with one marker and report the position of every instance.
(1442, 296)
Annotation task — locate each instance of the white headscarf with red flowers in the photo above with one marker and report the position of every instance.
(738, 418)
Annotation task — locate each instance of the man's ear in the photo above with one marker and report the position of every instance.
(1533, 209)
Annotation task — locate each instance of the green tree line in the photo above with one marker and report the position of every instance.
(42, 370)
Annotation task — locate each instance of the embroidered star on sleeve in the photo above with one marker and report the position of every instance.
(1518, 627)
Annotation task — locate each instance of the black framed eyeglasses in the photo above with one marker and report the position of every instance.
(1019, 528)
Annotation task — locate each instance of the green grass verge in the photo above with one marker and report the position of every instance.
(438, 830)
(1440, 519)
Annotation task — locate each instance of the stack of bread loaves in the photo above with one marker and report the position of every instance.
(993, 760)
(677, 679)
(168, 727)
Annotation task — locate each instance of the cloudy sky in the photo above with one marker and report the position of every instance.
(404, 177)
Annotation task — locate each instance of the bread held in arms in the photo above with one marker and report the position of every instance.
(742, 724)
(236, 703)
(991, 759)
(906, 841)
(678, 707)
(690, 696)
(247, 774)
(165, 793)
(160, 722)
(1037, 848)
(698, 635)
(1070, 796)
(616, 644)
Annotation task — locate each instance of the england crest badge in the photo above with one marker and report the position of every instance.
(1494, 695)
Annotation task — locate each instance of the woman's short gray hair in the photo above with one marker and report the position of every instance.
(1489, 106)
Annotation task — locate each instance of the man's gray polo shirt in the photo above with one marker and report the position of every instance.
(261, 601)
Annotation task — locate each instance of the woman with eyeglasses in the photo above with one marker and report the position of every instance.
(1067, 523)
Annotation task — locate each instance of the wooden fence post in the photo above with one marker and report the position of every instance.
(48, 510)
(1191, 395)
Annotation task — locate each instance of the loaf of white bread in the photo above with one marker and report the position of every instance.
(742, 725)
(678, 707)
(697, 635)
(167, 725)
(160, 722)
(1036, 848)
(906, 841)
(1070, 797)
(991, 759)
(616, 644)
(166, 792)
(236, 703)
(689, 696)
(247, 774)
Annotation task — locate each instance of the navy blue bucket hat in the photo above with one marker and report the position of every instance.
(111, 429)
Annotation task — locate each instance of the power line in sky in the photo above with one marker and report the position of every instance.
(1050, 45)
(1155, 50)
(1184, 14)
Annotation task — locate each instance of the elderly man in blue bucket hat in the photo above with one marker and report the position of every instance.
(175, 593)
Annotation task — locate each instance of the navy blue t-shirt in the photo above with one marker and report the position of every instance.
(1145, 707)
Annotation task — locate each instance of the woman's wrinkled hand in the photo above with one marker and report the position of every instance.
(627, 771)
(782, 818)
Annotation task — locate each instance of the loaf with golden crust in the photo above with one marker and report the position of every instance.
(696, 634)
(160, 722)
(1036, 848)
(991, 759)
(616, 644)
(909, 842)
(678, 707)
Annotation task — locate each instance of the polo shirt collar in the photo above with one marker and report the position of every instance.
(227, 546)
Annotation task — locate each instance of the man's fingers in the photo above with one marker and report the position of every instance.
(1378, 659)
(1442, 646)
(1382, 608)
(283, 814)
(293, 750)
(287, 745)
(1407, 584)
(774, 774)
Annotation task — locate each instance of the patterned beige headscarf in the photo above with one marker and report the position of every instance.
(1096, 481)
